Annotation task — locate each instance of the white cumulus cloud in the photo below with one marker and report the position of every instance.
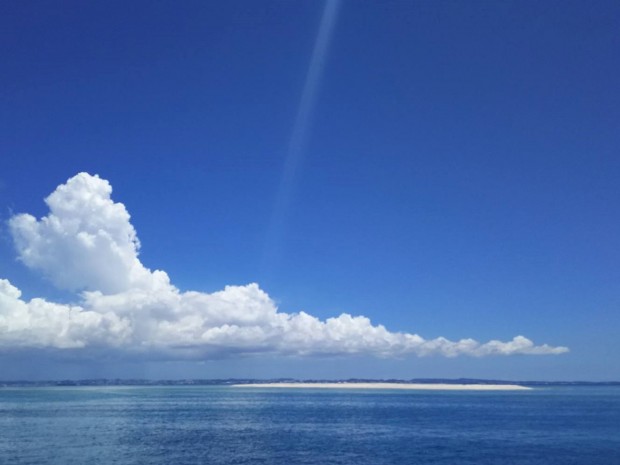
(87, 243)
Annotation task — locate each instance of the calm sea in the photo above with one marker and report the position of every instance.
(222, 425)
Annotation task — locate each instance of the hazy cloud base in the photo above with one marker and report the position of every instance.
(87, 244)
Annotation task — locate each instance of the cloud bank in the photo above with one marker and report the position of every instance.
(87, 244)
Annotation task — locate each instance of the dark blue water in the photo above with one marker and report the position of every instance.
(220, 425)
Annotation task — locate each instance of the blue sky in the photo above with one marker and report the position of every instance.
(456, 176)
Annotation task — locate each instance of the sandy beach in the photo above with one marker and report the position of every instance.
(410, 386)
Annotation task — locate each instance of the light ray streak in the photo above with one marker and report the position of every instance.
(297, 142)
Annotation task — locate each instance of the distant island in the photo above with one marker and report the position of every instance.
(401, 386)
(420, 383)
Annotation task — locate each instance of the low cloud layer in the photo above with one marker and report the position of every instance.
(87, 244)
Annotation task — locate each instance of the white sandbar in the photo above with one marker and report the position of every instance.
(420, 386)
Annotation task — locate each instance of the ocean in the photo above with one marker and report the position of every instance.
(224, 425)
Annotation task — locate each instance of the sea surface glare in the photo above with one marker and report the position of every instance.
(225, 425)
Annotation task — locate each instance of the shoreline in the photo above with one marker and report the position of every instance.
(402, 386)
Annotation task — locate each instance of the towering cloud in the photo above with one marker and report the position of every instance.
(87, 243)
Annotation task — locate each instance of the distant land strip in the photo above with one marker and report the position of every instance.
(409, 386)
(394, 383)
